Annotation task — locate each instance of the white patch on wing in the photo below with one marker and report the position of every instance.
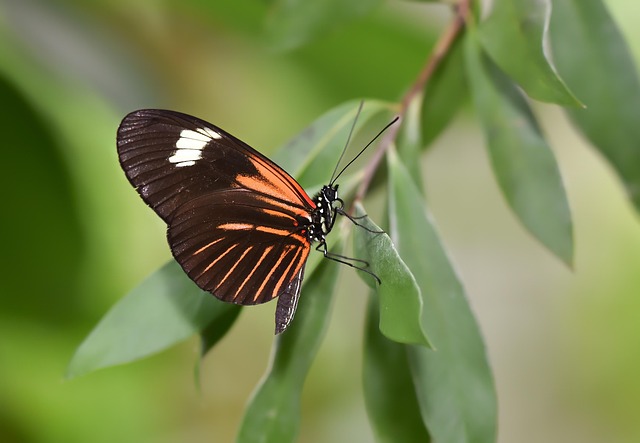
(190, 145)
(184, 163)
(209, 133)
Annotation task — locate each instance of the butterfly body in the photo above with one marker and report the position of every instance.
(238, 224)
(324, 215)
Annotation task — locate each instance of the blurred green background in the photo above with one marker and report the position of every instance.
(564, 345)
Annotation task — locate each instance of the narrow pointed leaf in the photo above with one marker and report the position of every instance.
(273, 414)
(592, 55)
(163, 310)
(293, 23)
(399, 295)
(454, 384)
(322, 142)
(43, 234)
(522, 161)
(389, 393)
(445, 93)
(515, 35)
(212, 333)
(217, 328)
(409, 141)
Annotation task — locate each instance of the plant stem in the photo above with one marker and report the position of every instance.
(440, 50)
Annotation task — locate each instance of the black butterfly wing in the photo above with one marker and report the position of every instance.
(236, 220)
(240, 246)
(288, 302)
(170, 158)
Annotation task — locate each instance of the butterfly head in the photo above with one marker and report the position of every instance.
(329, 193)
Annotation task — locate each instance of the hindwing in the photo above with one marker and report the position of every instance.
(241, 248)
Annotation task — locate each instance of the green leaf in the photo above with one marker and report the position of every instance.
(400, 298)
(163, 310)
(217, 328)
(409, 141)
(515, 36)
(42, 230)
(211, 334)
(389, 393)
(273, 414)
(292, 23)
(522, 161)
(454, 384)
(592, 55)
(444, 94)
(322, 142)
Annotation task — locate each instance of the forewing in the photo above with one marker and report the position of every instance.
(173, 158)
(244, 247)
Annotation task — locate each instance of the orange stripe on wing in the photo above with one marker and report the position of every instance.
(247, 227)
(217, 259)
(268, 277)
(287, 207)
(281, 214)
(297, 261)
(230, 271)
(280, 232)
(207, 246)
(236, 226)
(276, 182)
(255, 268)
(284, 274)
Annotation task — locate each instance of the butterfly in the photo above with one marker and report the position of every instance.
(239, 225)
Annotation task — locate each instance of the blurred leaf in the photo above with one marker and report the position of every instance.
(82, 52)
(399, 295)
(444, 94)
(163, 310)
(84, 128)
(389, 393)
(212, 333)
(292, 23)
(454, 384)
(514, 35)
(359, 46)
(239, 15)
(42, 236)
(322, 142)
(593, 56)
(217, 328)
(522, 161)
(273, 414)
(409, 140)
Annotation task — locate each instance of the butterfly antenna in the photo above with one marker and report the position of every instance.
(364, 149)
(355, 120)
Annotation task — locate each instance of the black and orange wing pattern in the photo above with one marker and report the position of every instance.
(237, 222)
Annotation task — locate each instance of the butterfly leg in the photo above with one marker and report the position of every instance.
(354, 220)
(322, 247)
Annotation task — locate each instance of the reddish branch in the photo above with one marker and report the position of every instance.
(440, 50)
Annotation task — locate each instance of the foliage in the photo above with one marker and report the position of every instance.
(426, 373)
